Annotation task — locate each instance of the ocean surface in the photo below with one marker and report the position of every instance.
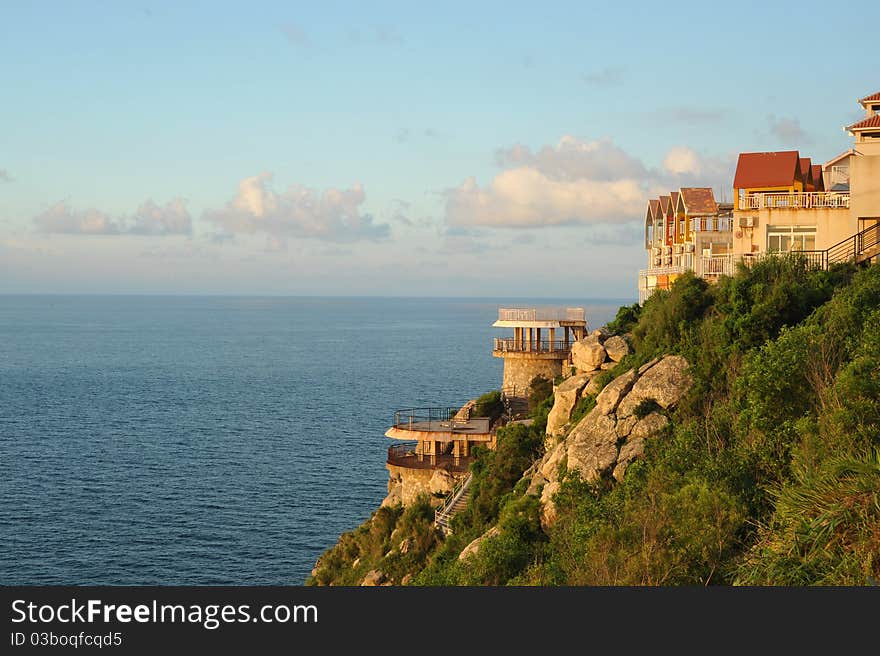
(215, 440)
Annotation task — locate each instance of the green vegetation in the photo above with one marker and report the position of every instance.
(768, 474)
(489, 405)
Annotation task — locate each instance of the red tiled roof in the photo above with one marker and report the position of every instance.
(806, 165)
(872, 122)
(871, 98)
(817, 177)
(779, 169)
(699, 200)
(653, 205)
(664, 203)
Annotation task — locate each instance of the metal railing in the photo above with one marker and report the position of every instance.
(444, 514)
(443, 420)
(717, 265)
(542, 314)
(661, 271)
(509, 344)
(405, 455)
(795, 201)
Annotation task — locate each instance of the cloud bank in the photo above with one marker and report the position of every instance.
(331, 215)
(575, 182)
(149, 219)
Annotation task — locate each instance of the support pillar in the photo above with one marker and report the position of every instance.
(552, 339)
(537, 339)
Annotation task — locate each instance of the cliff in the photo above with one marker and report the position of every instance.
(737, 443)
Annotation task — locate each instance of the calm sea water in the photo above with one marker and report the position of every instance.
(209, 440)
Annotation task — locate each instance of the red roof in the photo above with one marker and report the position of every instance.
(664, 203)
(699, 200)
(817, 177)
(805, 167)
(674, 196)
(871, 122)
(873, 97)
(653, 204)
(779, 169)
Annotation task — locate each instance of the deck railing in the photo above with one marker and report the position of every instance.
(717, 265)
(404, 455)
(807, 200)
(542, 314)
(511, 345)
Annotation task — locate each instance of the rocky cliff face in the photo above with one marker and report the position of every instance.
(629, 411)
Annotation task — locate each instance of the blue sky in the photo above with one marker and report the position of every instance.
(489, 149)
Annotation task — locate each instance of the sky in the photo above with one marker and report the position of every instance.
(392, 148)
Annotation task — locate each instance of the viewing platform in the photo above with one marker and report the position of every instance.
(409, 456)
(439, 424)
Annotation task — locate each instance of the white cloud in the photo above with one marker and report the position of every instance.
(577, 182)
(149, 219)
(332, 215)
(682, 160)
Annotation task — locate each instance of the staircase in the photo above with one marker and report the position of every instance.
(516, 405)
(453, 504)
(859, 248)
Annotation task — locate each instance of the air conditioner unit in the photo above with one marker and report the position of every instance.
(707, 252)
(748, 222)
(688, 248)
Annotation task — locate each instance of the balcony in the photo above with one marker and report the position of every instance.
(575, 314)
(511, 345)
(717, 265)
(405, 455)
(454, 423)
(801, 201)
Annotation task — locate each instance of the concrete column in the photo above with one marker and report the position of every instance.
(537, 339)
(566, 337)
(552, 337)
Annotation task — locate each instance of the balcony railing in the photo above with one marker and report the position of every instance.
(717, 265)
(511, 345)
(405, 455)
(542, 314)
(809, 200)
(441, 420)
(661, 271)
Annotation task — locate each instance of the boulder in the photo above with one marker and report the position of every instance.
(587, 355)
(608, 398)
(441, 482)
(550, 462)
(394, 498)
(648, 365)
(592, 388)
(535, 485)
(373, 577)
(565, 398)
(617, 348)
(607, 366)
(405, 545)
(548, 508)
(474, 547)
(631, 450)
(599, 334)
(666, 383)
(648, 426)
(592, 445)
(625, 426)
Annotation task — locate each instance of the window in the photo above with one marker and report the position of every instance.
(781, 239)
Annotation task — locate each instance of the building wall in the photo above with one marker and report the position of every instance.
(832, 226)
(865, 182)
(519, 371)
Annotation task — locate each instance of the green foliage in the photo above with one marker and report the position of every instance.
(489, 405)
(627, 317)
(540, 389)
(584, 405)
(668, 316)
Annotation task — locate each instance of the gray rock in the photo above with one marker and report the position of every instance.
(625, 426)
(474, 547)
(587, 355)
(550, 462)
(592, 448)
(405, 545)
(666, 383)
(373, 577)
(648, 365)
(565, 398)
(617, 348)
(648, 426)
(536, 484)
(548, 507)
(592, 388)
(607, 366)
(631, 450)
(608, 398)
(441, 482)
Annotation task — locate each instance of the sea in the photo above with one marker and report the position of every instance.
(173, 440)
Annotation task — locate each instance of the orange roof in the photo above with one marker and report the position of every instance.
(779, 169)
(806, 165)
(664, 203)
(653, 205)
(699, 200)
(871, 122)
(873, 97)
(817, 177)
